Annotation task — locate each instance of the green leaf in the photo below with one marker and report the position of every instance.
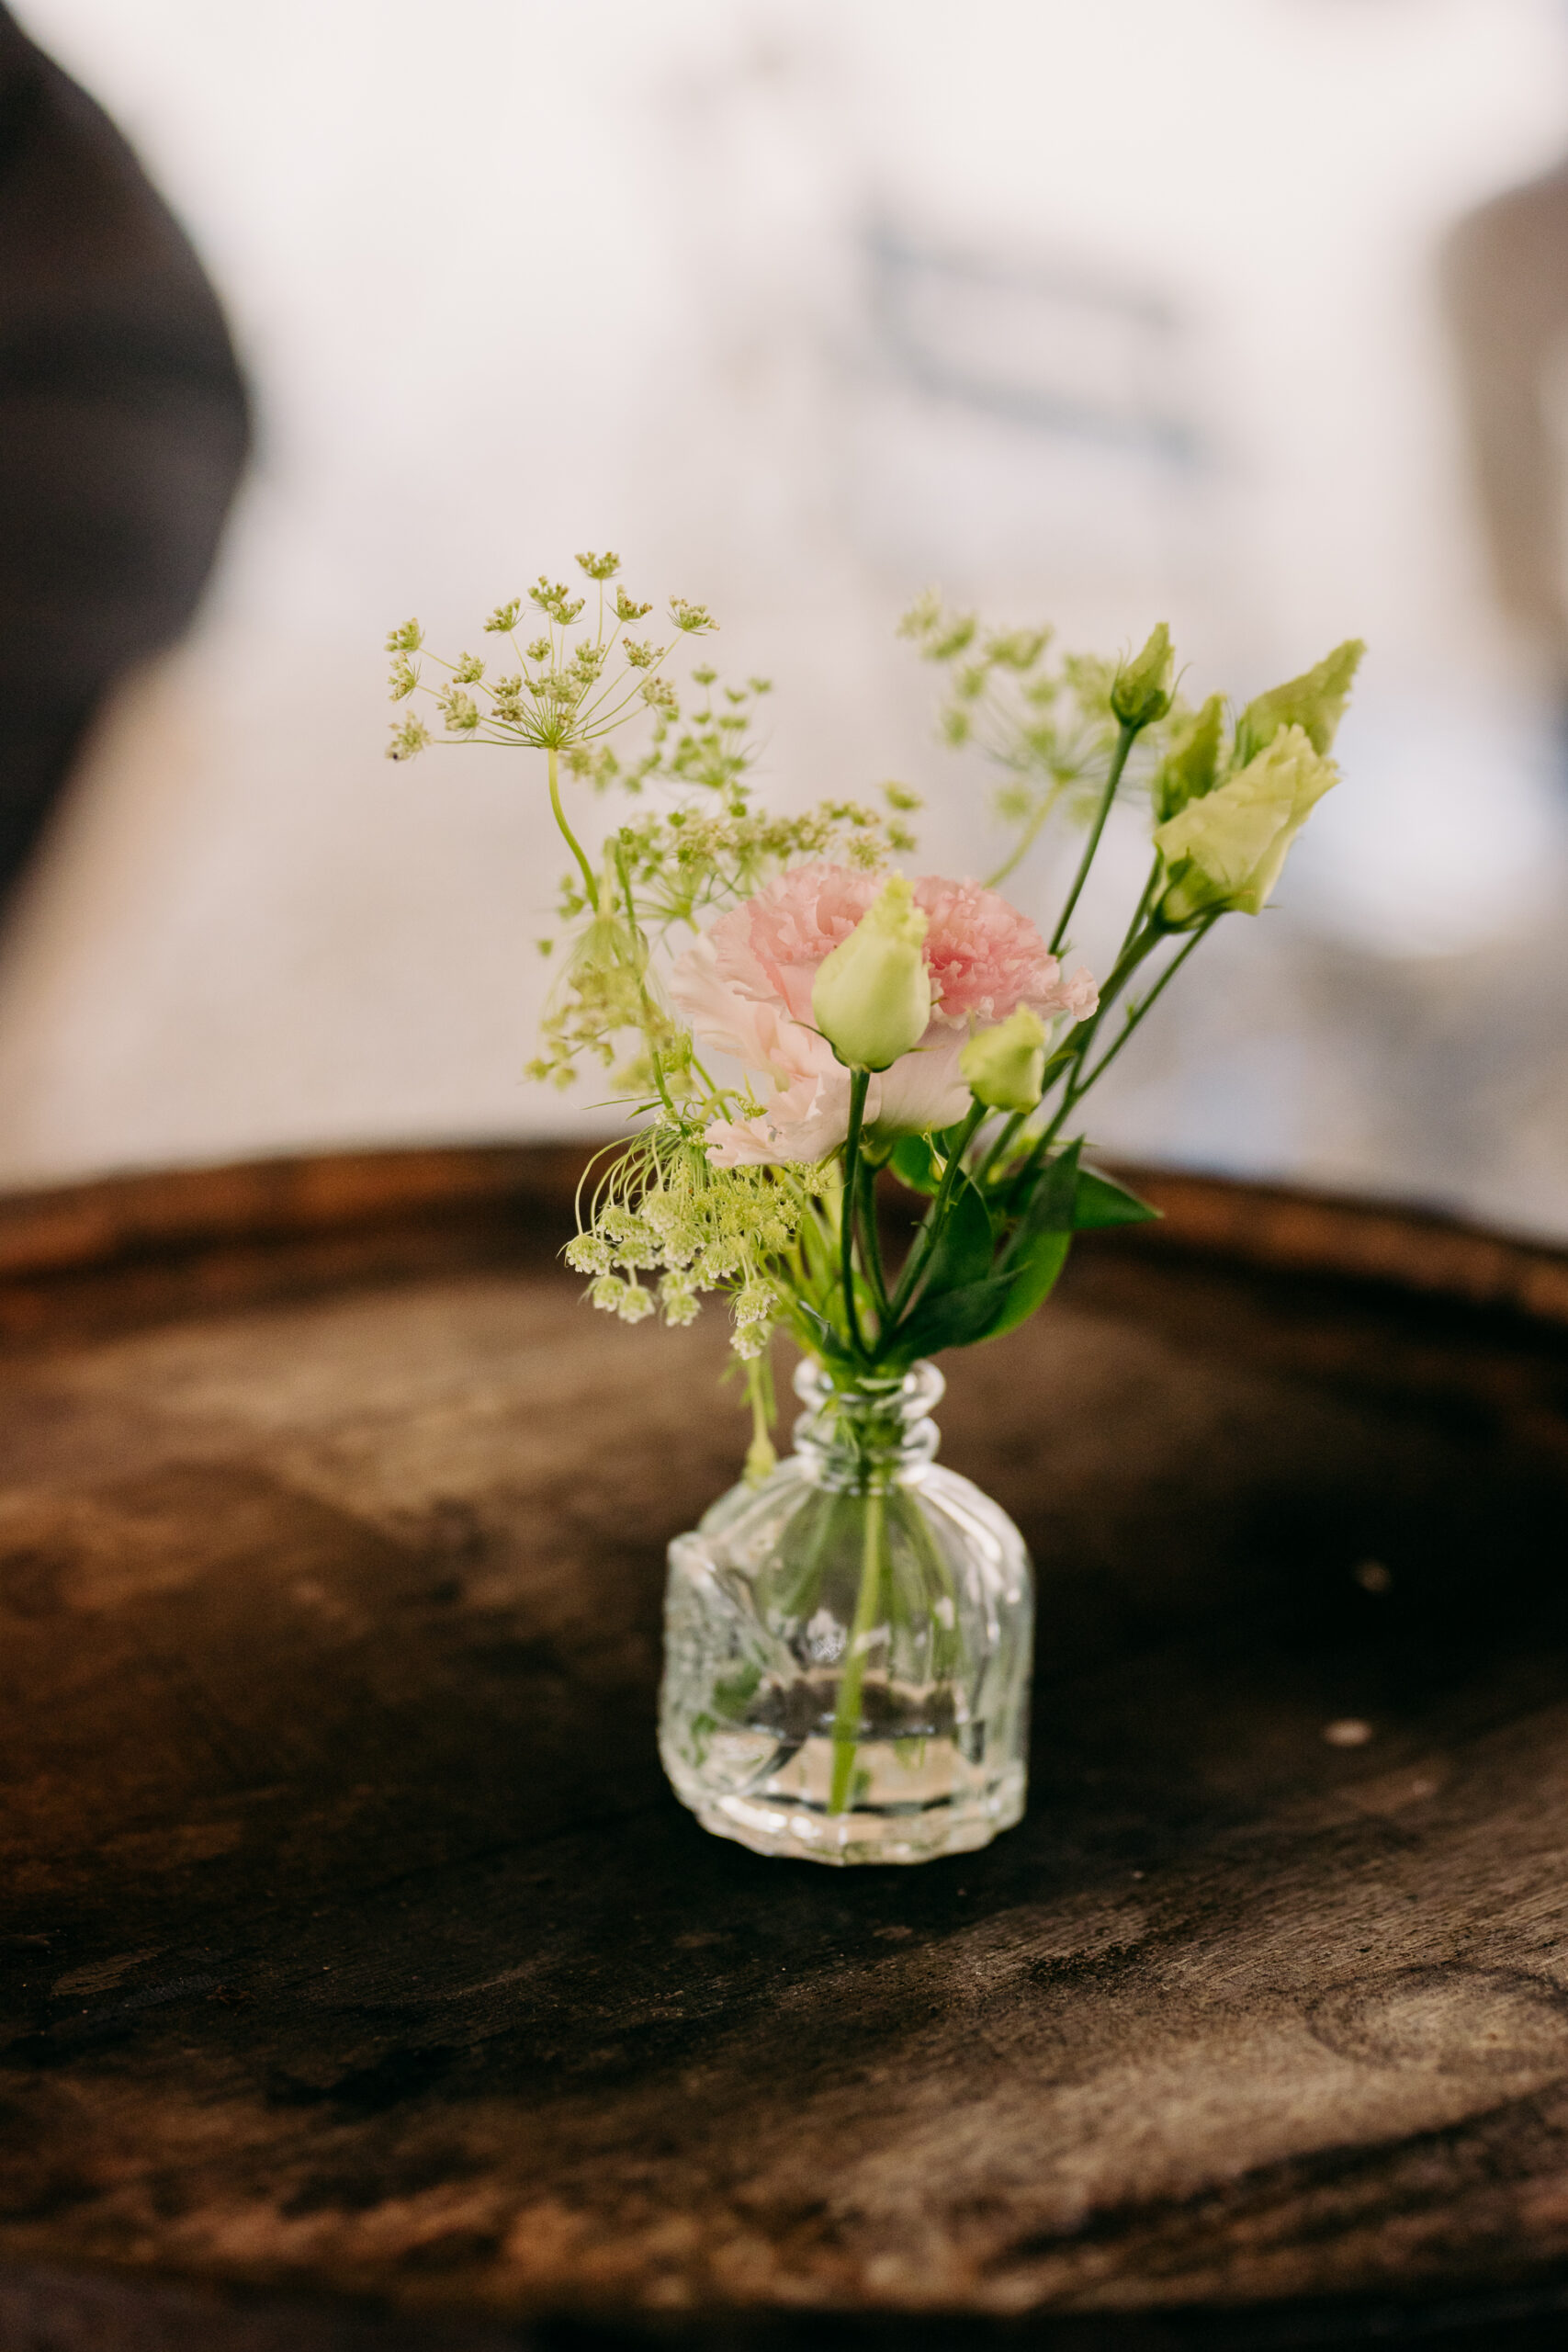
(824, 1339)
(1032, 1282)
(1314, 701)
(965, 1243)
(961, 1301)
(1101, 1202)
(985, 1310)
(1055, 1206)
(954, 1320)
(914, 1164)
(1049, 1208)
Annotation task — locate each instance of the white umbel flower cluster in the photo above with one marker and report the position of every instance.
(697, 1228)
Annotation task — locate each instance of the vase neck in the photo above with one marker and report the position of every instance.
(864, 1435)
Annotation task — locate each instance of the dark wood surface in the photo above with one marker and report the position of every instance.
(365, 1985)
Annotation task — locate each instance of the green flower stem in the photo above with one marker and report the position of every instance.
(871, 1238)
(650, 1010)
(859, 1079)
(1126, 737)
(925, 1240)
(846, 1716)
(589, 885)
(1134, 953)
(1068, 1061)
(1005, 1134)
(760, 1456)
(1026, 840)
(720, 1099)
(1140, 910)
(1078, 1085)
(1138, 1012)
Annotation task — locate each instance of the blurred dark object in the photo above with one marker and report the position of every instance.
(123, 427)
(1507, 278)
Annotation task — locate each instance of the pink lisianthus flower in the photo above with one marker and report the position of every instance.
(745, 986)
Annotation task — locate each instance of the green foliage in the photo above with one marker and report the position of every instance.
(1100, 1201)
(1034, 1277)
(949, 1318)
(916, 1165)
(965, 1243)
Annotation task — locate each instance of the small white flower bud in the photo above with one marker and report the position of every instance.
(1006, 1066)
(1140, 692)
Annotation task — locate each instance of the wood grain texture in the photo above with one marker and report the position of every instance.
(354, 1947)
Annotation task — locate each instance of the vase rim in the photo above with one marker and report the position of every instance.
(914, 1392)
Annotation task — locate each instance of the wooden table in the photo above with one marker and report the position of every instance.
(359, 1962)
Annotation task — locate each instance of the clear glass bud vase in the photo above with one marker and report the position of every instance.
(847, 1644)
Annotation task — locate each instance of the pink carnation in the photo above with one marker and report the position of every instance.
(746, 988)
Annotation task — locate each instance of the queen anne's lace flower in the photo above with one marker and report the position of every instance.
(746, 990)
(667, 1212)
(678, 1298)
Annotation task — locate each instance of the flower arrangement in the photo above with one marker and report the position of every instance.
(859, 1021)
(784, 1014)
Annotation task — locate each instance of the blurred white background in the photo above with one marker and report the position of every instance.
(1104, 314)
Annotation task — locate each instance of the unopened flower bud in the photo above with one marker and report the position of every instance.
(872, 996)
(1006, 1066)
(1314, 702)
(1188, 769)
(1224, 851)
(1140, 692)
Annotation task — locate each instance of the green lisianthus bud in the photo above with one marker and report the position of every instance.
(1188, 769)
(1140, 692)
(872, 996)
(1006, 1066)
(1314, 702)
(1225, 852)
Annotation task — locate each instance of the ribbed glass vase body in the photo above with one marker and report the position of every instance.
(847, 1644)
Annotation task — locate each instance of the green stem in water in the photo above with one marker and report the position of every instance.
(590, 886)
(1125, 742)
(908, 1514)
(801, 1597)
(846, 1716)
(859, 1079)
